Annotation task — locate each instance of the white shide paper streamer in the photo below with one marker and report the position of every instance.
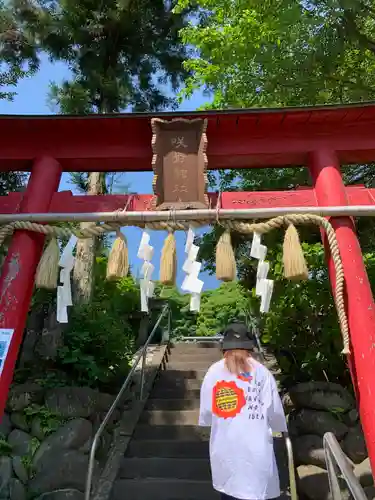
(192, 284)
(64, 291)
(147, 287)
(264, 286)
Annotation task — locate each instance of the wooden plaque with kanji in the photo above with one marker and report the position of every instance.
(179, 163)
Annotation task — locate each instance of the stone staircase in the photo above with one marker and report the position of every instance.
(167, 457)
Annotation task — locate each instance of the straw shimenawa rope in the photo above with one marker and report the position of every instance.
(239, 226)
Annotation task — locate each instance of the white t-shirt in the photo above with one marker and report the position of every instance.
(242, 413)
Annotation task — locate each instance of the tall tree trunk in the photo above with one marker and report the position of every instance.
(83, 274)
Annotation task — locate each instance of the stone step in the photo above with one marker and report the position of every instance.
(162, 392)
(196, 351)
(169, 468)
(191, 346)
(193, 364)
(167, 382)
(163, 489)
(199, 354)
(167, 449)
(160, 417)
(197, 373)
(183, 374)
(172, 432)
(172, 404)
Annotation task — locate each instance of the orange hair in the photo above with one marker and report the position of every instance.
(237, 361)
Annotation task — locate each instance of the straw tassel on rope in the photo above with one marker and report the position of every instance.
(118, 260)
(234, 225)
(168, 261)
(225, 259)
(295, 268)
(48, 268)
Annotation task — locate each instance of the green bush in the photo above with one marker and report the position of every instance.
(228, 302)
(302, 325)
(49, 421)
(183, 321)
(5, 447)
(100, 338)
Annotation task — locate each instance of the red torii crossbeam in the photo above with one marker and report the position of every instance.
(319, 138)
(66, 202)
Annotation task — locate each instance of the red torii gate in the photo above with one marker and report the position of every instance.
(320, 138)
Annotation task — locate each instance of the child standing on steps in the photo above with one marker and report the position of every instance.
(240, 402)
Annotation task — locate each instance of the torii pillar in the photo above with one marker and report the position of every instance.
(330, 191)
(18, 273)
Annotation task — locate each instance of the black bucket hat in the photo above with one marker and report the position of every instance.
(237, 336)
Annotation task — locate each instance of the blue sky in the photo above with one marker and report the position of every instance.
(31, 99)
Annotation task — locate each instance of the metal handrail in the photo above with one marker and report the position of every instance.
(336, 458)
(257, 340)
(99, 432)
(214, 338)
(291, 468)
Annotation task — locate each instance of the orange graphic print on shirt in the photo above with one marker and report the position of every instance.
(227, 399)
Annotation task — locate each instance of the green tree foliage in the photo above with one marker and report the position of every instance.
(277, 53)
(99, 339)
(101, 336)
(229, 302)
(18, 59)
(17, 52)
(302, 324)
(218, 307)
(283, 52)
(122, 55)
(10, 182)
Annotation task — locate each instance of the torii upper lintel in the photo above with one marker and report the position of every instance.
(242, 138)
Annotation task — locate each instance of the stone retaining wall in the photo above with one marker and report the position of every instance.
(46, 436)
(316, 408)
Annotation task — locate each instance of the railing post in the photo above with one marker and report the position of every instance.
(143, 374)
(169, 326)
(338, 465)
(291, 467)
(330, 190)
(333, 479)
(18, 273)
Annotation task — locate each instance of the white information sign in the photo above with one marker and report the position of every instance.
(6, 335)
